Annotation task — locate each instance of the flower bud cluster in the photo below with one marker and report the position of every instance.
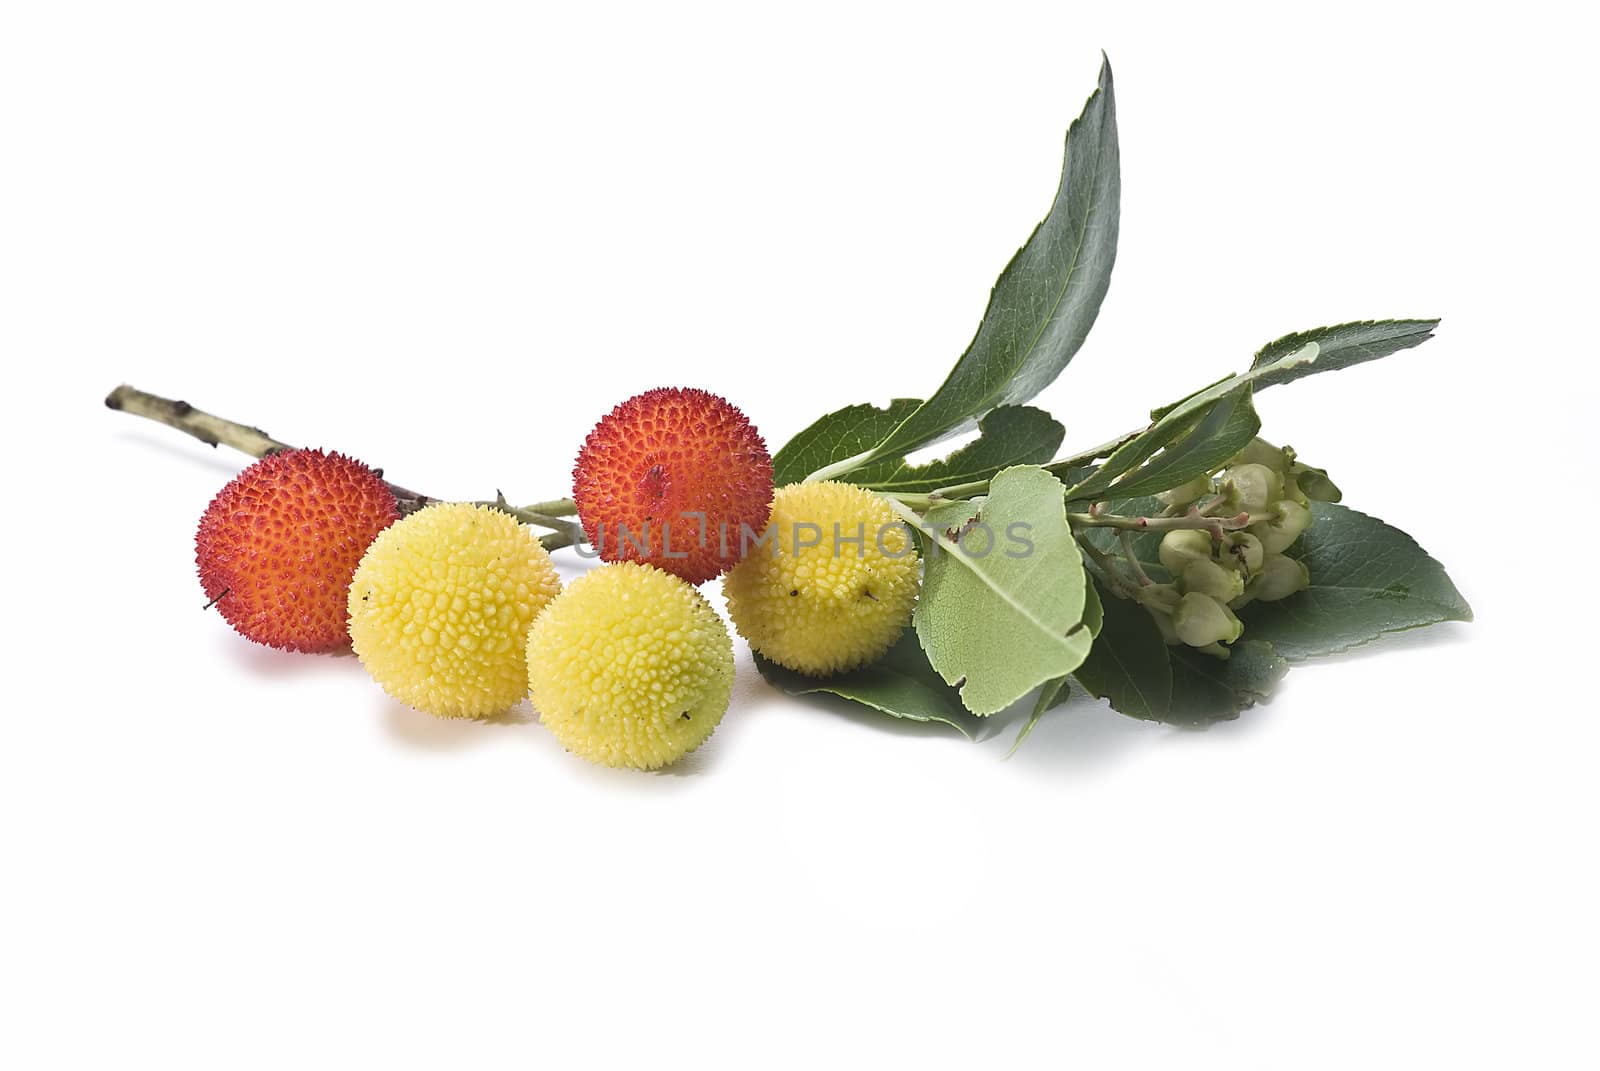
(1212, 577)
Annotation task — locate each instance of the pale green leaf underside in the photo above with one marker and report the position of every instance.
(1000, 625)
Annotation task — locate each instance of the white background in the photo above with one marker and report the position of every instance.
(447, 238)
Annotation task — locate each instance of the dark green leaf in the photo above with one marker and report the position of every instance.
(1367, 578)
(1343, 346)
(841, 434)
(1206, 689)
(1225, 428)
(1161, 411)
(901, 684)
(1010, 435)
(1045, 300)
(1179, 420)
(1129, 664)
(1134, 668)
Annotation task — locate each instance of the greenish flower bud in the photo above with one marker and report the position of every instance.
(1188, 493)
(1292, 492)
(1162, 597)
(1314, 483)
(1245, 549)
(1201, 620)
(1261, 452)
(1280, 577)
(1163, 621)
(1255, 487)
(1161, 600)
(1220, 581)
(1288, 520)
(1180, 548)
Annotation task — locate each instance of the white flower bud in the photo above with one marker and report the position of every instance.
(1212, 578)
(1201, 620)
(1255, 487)
(1280, 577)
(1289, 519)
(1187, 493)
(1181, 547)
(1245, 549)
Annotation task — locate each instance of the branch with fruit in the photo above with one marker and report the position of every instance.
(1176, 571)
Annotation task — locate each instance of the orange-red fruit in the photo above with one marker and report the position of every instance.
(655, 464)
(277, 546)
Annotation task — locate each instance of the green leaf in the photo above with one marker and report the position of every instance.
(1094, 610)
(1054, 692)
(839, 435)
(1179, 420)
(1010, 435)
(1367, 578)
(1207, 689)
(1143, 677)
(901, 684)
(1051, 695)
(1225, 428)
(1001, 623)
(1208, 429)
(1343, 346)
(1045, 300)
(1129, 664)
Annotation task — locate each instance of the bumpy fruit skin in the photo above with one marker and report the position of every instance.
(826, 608)
(630, 666)
(440, 608)
(276, 547)
(657, 461)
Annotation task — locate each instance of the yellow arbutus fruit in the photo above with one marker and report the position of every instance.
(630, 666)
(832, 586)
(440, 608)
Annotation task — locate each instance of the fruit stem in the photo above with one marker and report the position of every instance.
(1125, 538)
(557, 540)
(534, 516)
(961, 490)
(1120, 585)
(556, 507)
(209, 429)
(1194, 519)
(215, 431)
